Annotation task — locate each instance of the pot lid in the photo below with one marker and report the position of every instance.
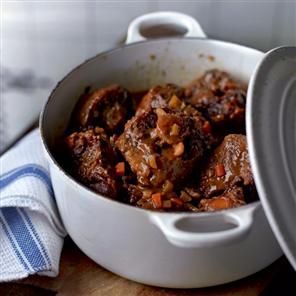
(271, 133)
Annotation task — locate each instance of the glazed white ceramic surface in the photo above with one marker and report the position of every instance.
(271, 128)
(177, 250)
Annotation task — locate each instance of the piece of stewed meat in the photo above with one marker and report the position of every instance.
(221, 100)
(228, 165)
(163, 144)
(93, 160)
(107, 107)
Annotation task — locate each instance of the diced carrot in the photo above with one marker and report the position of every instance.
(207, 127)
(239, 112)
(219, 170)
(157, 200)
(120, 169)
(177, 201)
(220, 203)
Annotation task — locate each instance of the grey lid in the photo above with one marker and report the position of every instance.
(271, 134)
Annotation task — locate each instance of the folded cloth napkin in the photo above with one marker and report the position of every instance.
(31, 232)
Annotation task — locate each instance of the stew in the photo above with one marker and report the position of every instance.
(170, 148)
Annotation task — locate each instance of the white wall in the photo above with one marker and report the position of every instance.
(42, 40)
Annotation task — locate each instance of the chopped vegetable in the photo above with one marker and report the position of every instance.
(152, 161)
(207, 127)
(160, 112)
(167, 186)
(179, 149)
(219, 170)
(175, 129)
(120, 169)
(177, 201)
(220, 203)
(175, 102)
(215, 204)
(157, 200)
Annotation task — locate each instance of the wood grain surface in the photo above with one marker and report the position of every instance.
(79, 275)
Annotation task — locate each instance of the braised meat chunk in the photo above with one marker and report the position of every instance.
(215, 81)
(163, 144)
(227, 166)
(107, 107)
(220, 99)
(93, 160)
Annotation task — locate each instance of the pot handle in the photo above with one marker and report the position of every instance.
(192, 27)
(216, 229)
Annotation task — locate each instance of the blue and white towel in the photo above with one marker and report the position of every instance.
(31, 232)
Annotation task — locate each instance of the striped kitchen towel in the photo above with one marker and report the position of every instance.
(31, 232)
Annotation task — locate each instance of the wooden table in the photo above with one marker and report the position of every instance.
(79, 275)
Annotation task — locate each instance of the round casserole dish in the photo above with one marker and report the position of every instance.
(176, 250)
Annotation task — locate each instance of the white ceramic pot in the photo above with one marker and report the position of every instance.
(177, 250)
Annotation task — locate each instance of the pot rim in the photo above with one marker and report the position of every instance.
(90, 193)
